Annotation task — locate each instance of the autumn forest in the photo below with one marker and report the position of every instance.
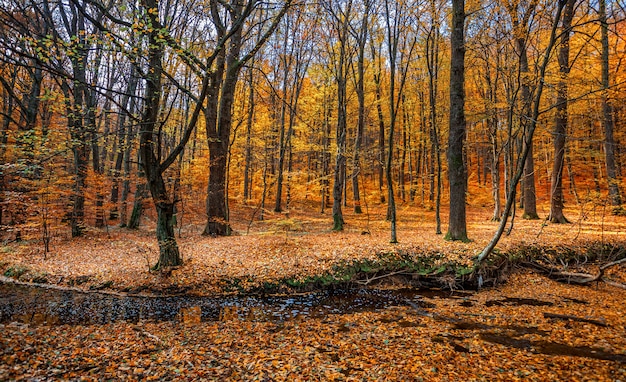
(295, 148)
(196, 106)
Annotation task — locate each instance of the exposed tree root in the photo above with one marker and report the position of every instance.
(578, 277)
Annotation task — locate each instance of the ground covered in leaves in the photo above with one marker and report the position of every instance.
(526, 328)
(291, 247)
(506, 333)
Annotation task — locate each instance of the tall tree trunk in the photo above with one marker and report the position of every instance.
(247, 172)
(528, 184)
(560, 125)
(376, 56)
(169, 254)
(607, 114)
(457, 174)
(432, 61)
(123, 141)
(340, 159)
(360, 92)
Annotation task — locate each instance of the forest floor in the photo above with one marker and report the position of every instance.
(291, 246)
(527, 328)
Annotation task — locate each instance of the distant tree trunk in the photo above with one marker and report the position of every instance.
(247, 172)
(528, 184)
(400, 47)
(126, 179)
(607, 114)
(340, 158)
(325, 156)
(80, 152)
(381, 122)
(140, 195)
(560, 125)
(360, 92)
(432, 61)
(282, 148)
(123, 141)
(457, 174)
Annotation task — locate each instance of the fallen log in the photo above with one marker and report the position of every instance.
(577, 277)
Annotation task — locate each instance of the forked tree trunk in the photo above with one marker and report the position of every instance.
(169, 254)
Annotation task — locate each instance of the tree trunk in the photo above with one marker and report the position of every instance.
(360, 92)
(528, 193)
(247, 172)
(381, 124)
(560, 125)
(457, 174)
(169, 254)
(340, 159)
(217, 214)
(432, 61)
(123, 142)
(607, 114)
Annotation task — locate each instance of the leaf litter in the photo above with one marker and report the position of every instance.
(435, 339)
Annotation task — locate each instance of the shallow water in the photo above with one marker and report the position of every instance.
(42, 306)
(35, 305)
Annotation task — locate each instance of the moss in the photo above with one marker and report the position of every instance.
(16, 271)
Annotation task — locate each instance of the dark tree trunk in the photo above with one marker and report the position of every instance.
(219, 136)
(432, 61)
(560, 125)
(360, 92)
(381, 123)
(247, 172)
(217, 223)
(607, 114)
(340, 159)
(528, 193)
(169, 254)
(457, 174)
(123, 143)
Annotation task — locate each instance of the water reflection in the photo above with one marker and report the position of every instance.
(34, 305)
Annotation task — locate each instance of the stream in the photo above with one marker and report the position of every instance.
(35, 305)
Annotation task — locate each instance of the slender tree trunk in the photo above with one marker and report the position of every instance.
(123, 141)
(560, 125)
(529, 193)
(381, 123)
(247, 172)
(432, 60)
(360, 92)
(457, 174)
(340, 159)
(607, 114)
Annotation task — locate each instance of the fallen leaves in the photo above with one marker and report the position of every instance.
(515, 337)
(456, 341)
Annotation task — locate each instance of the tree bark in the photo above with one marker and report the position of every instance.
(457, 174)
(560, 124)
(615, 198)
(169, 254)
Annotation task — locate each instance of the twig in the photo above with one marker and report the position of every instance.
(367, 281)
(145, 333)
